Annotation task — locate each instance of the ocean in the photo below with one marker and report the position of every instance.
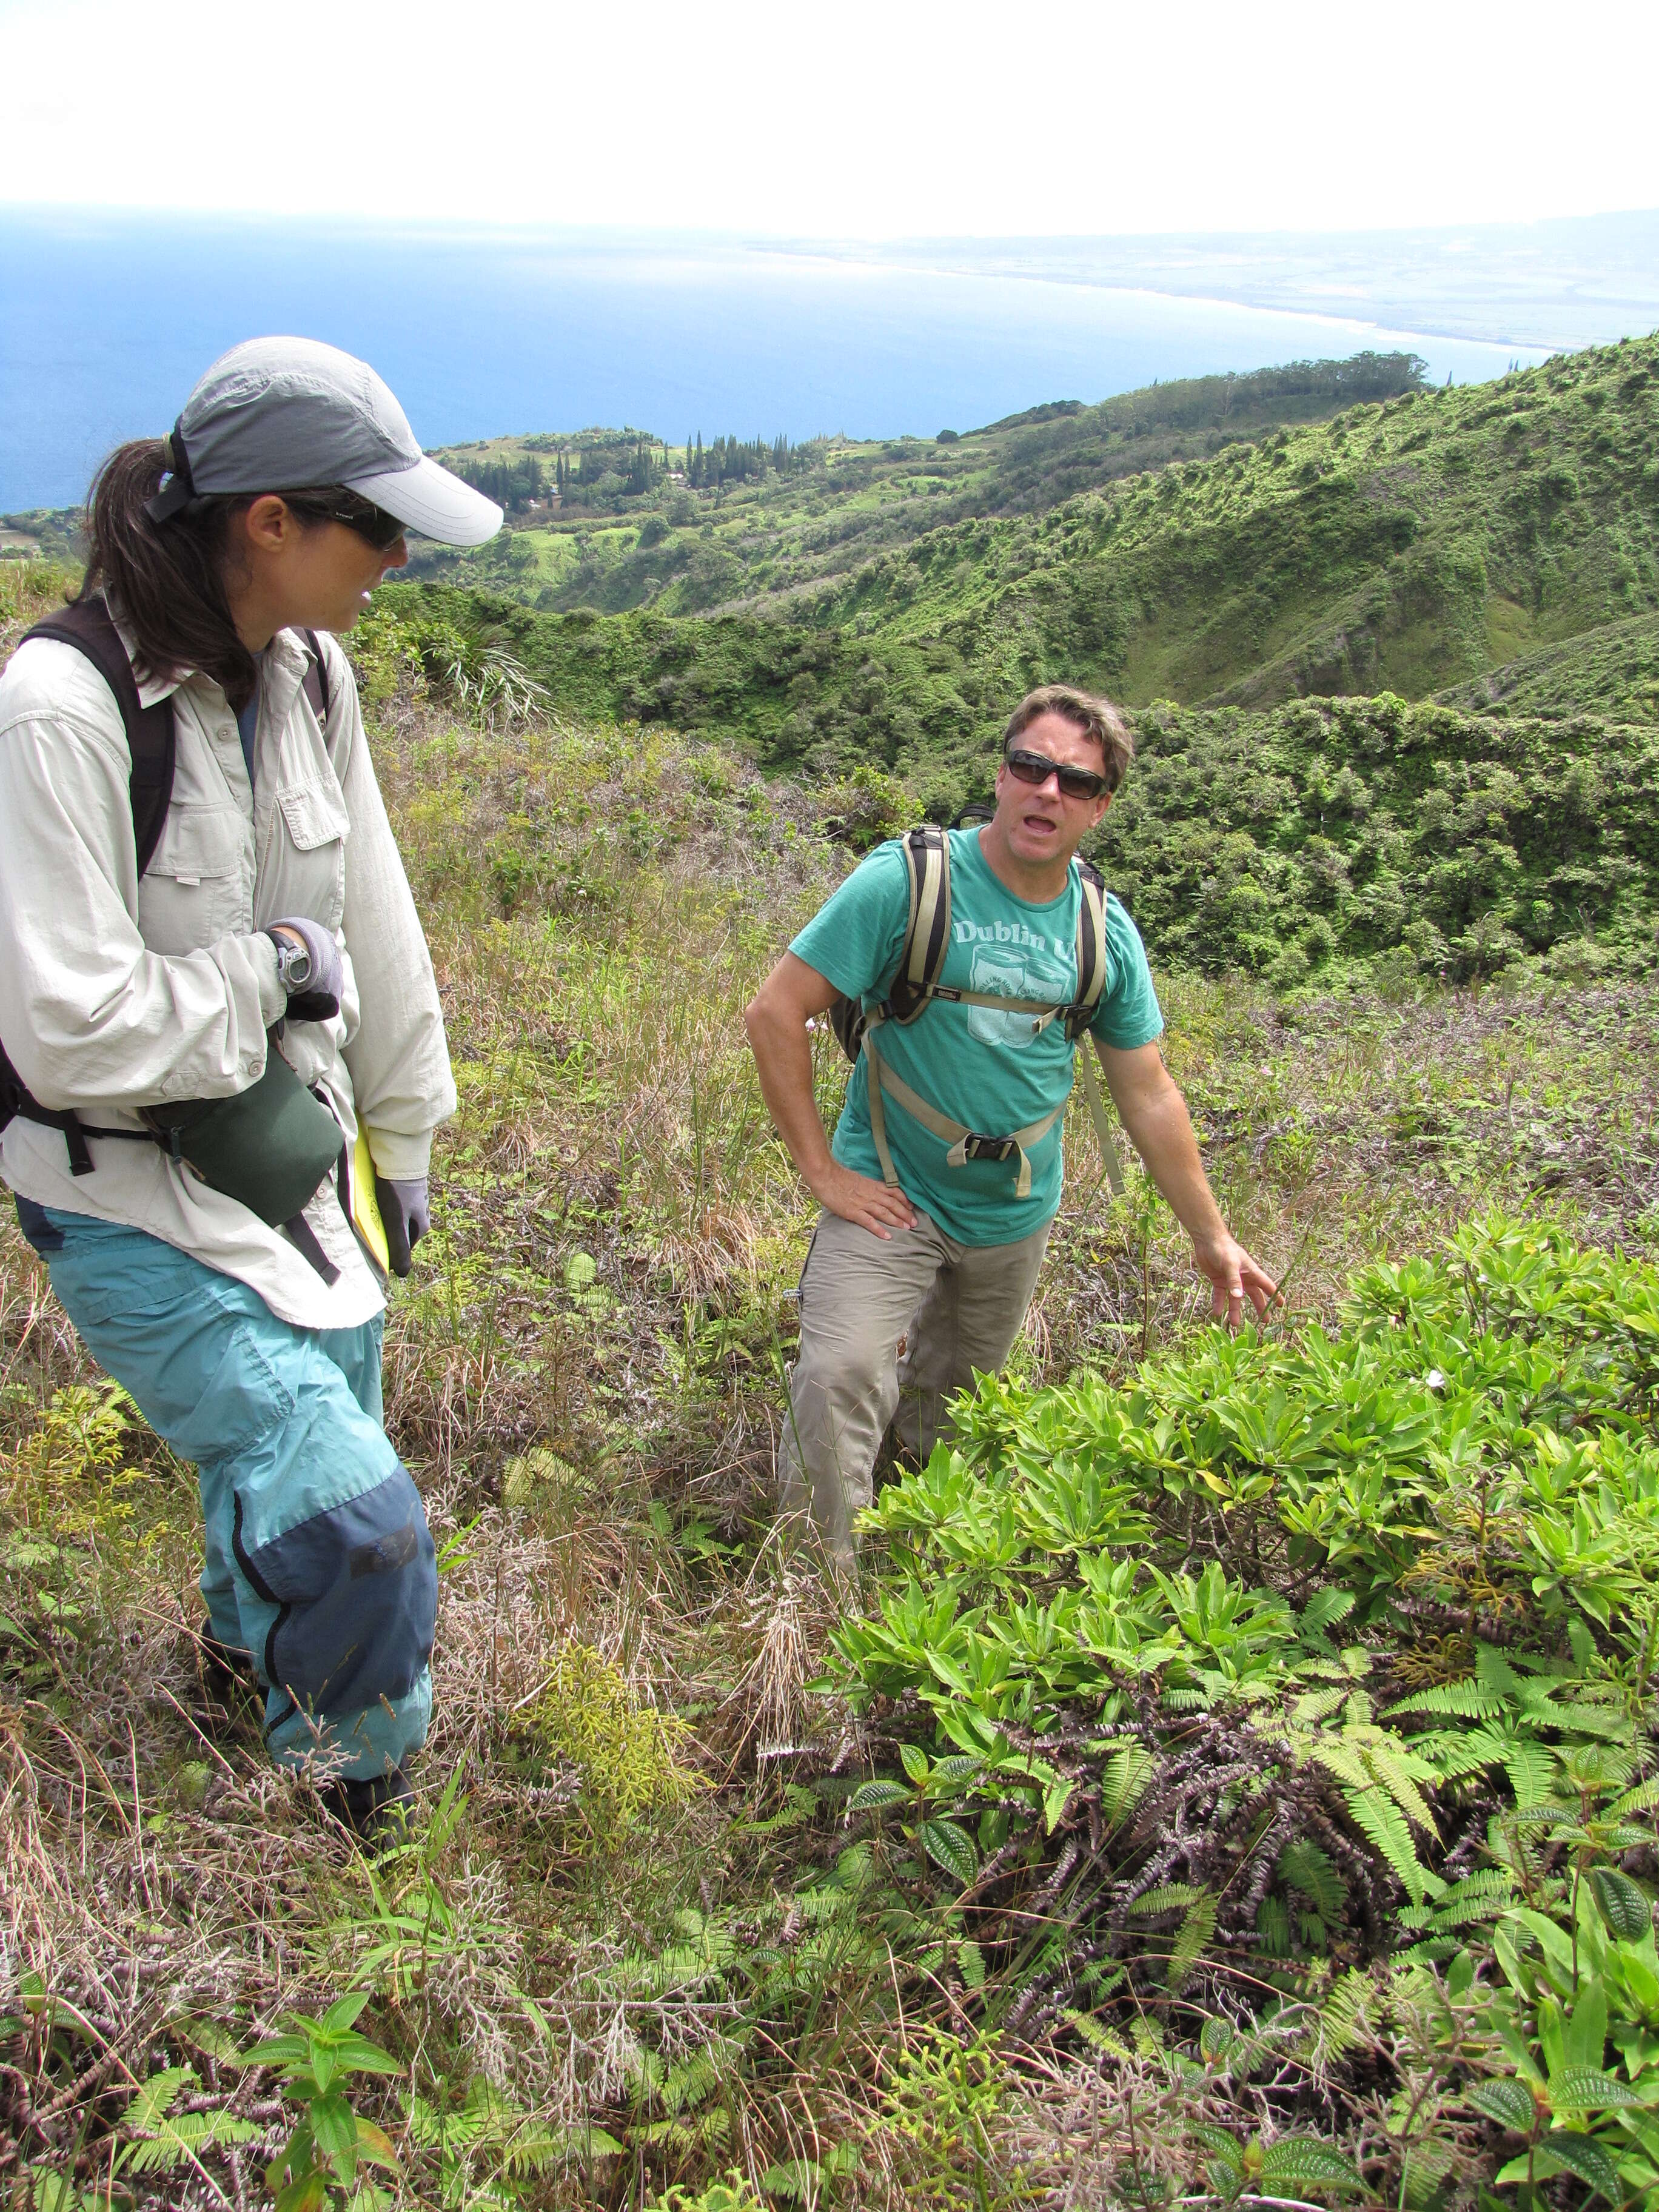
(107, 319)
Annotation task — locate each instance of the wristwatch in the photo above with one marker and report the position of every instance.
(293, 963)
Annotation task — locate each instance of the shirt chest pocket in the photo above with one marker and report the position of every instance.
(311, 828)
(195, 889)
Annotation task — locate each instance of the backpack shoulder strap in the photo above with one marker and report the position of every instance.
(86, 626)
(1090, 949)
(926, 852)
(315, 682)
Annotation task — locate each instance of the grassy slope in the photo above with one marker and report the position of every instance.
(583, 1373)
(1612, 670)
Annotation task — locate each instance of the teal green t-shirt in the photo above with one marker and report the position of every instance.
(979, 1067)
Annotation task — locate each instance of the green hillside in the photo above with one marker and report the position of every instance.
(1612, 670)
(610, 520)
(1410, 544)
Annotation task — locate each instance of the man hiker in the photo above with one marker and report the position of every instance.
(955, 961)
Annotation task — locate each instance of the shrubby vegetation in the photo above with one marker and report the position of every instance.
(1235, 1778)
(781, 517)
(1333, 837)
(1613, 671)
(1321, 842)
(1293, 1655)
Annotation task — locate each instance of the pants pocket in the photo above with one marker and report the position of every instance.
(356, 1589)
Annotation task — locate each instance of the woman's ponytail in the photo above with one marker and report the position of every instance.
(166, 579)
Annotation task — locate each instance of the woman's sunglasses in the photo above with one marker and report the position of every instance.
(336, 504)
(1037, 767)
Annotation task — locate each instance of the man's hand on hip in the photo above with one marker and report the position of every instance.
(877, 1206)
(1233, 1276)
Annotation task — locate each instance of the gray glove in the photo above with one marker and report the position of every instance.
(313, 979)
(405, 1216)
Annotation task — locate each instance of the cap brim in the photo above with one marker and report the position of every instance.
(435, 502)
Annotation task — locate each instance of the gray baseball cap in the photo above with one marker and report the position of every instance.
(287, 414)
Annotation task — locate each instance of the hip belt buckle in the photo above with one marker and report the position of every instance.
(975, 1147)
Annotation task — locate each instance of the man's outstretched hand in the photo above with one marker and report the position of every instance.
(877, 1206)
(1233, 1276)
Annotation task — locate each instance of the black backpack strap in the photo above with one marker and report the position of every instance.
(315, 682)
(928, 933)
(86, 626)
(1090, 948)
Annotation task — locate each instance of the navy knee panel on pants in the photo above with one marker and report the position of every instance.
(356, 1589)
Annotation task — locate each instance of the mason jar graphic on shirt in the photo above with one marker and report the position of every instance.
(1000, 971)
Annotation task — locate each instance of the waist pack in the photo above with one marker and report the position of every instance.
(917, 985)
(269, 1146)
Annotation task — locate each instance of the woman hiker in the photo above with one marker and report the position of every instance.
(223, 1051)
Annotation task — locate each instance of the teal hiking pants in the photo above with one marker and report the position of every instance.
(319, 1563)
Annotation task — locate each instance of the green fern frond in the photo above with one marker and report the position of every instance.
(1393, 1773)
(1194, 1932)
(1317, 1704)
(1469, 1701)
(1482, 1896)
(152, 2097)
(1384, 1825)
(816, 1906)
(1272, 1926)
(1340, 2016)
(1494, 1672)
(1531, 1768)
(185, 2135)
(1642, 1799)
(1123, 1782)
(1345, 1762)
(1167, 1898)
(1308, 1869)
(1099, 2038)
(1452, 1751)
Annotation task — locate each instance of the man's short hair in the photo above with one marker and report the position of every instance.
(1096, 718)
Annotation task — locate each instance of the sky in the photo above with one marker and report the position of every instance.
(865, 118)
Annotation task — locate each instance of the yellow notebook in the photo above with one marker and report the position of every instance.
(365, 1206)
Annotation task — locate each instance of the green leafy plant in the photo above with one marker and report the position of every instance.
(331, 2142)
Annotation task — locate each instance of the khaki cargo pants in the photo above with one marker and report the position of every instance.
(958, 1307)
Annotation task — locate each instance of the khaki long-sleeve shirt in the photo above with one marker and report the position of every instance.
(117, 994)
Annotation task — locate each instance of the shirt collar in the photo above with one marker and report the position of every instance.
(284, 657)
(150, 688)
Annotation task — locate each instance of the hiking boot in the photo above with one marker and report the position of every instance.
(223, 1669)
(375, 1808)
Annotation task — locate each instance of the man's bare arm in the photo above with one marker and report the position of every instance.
(1155, 1115)
(776, 1019)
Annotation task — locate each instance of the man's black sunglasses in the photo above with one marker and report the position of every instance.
(1037, 767)
(336, 504)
